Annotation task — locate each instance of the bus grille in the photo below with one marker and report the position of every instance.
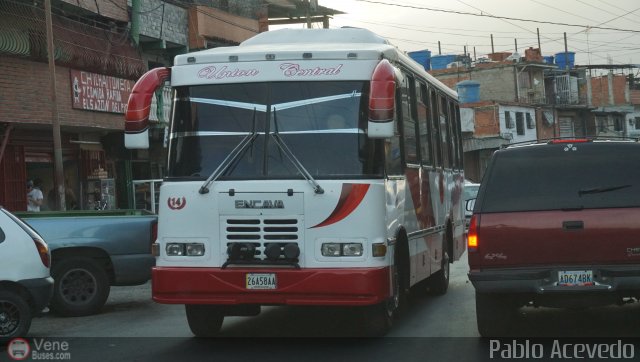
(261, 232)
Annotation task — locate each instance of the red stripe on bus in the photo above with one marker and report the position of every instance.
(350, 197)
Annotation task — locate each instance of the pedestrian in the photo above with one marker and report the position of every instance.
(34, 195)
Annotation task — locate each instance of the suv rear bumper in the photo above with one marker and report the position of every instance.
(41, 291)
(607, 278)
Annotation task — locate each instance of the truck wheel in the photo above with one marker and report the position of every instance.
(204, 320)
(495, 313)
(15, 316)
(81, 287)
(438, 283)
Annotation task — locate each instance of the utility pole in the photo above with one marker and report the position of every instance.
(55, 121)
(492, 49)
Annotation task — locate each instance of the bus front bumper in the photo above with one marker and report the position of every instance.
(330, 287)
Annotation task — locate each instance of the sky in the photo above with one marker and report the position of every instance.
(608, 31)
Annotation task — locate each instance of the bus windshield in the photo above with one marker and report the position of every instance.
(322, 123)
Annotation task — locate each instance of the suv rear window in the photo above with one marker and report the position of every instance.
(563, 177)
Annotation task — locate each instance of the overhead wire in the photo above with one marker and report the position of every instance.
(496, 16)
(487, 14)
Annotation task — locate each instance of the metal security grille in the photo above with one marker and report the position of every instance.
(260, 232)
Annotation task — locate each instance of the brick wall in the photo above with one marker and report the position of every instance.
(486, 122)
(114, 9)
(600, 90)
(25, 97)
(545, 131)
(497, 82)
(635, 96)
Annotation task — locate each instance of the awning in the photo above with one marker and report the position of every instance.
(77, 45)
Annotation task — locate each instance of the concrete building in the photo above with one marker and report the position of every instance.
(524, 99)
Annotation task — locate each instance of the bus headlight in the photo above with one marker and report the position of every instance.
(331, 249)
(341, 249)
(184, 249)
(195, 249)
(174, 249)
(352, 249)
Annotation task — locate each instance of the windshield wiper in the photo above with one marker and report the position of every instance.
(597, 190)
(283, 147)
(230, 159)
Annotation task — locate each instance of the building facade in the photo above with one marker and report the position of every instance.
(101, 47)
(524, 99)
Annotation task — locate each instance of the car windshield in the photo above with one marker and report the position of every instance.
(322, 123)
(470, 191)
(557, 177)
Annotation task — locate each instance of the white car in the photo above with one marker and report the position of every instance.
(25, 283)
(470, 192)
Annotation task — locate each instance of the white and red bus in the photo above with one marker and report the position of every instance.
(305, 167)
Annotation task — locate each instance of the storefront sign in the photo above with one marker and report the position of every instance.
(98, 92)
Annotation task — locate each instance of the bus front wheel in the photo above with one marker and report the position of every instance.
(378, 318)
(204, 320)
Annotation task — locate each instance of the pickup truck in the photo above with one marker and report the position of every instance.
(91, 251)
(555, 224)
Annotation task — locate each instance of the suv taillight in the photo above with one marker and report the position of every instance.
(43, 251)
(472, 236)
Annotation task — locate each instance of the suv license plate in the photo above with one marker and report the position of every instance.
(575, 278)
(261, 281)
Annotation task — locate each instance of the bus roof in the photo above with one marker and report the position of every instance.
(317, 44)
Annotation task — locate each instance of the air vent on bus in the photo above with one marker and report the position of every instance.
(271, 239)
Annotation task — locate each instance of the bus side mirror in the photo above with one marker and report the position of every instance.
(382, 100)
(136, 124)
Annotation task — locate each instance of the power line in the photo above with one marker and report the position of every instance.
(498, 17)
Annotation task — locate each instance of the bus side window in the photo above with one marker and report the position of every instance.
(424, 132)
(409, 139)
(436, 136)
(456, 136)
(444, 131)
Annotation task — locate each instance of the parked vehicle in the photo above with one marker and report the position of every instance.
(555, 224)
(25, 283)
(470, 192)
(91, 251)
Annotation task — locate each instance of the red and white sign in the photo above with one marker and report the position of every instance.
(99, 92)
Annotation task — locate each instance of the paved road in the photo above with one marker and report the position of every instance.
(130, 312)
(121, 331)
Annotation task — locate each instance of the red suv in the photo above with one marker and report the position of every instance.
(555, 224)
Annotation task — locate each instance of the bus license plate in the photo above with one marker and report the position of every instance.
(573, 278)
(261, 281)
